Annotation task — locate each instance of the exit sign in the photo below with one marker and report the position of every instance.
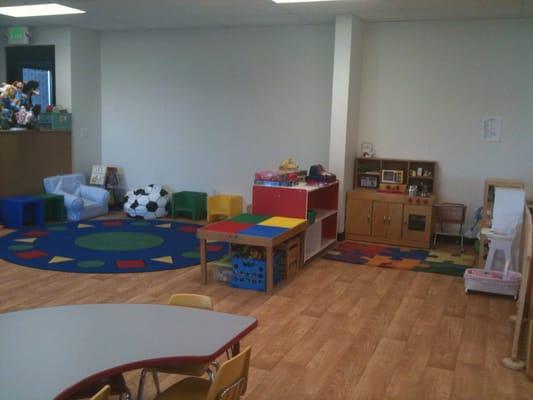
(18, 35)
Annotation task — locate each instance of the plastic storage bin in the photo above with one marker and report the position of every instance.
(56, 121)
(291, 258)
(223, 270)
(250, 273)
(493, 281)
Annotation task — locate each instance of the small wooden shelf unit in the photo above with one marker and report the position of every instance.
(386, 214)
(296, 201)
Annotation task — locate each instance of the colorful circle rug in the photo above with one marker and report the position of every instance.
(107, 246)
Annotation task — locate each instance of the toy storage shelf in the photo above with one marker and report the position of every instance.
(295, 202)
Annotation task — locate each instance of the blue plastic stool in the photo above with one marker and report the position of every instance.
(20, 210)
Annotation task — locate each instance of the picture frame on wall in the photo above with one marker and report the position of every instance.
(367, 150)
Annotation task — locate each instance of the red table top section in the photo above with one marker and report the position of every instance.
(227, 226)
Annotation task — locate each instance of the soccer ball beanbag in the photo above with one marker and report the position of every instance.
(149, 202)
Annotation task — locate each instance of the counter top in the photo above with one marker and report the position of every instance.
(10, 131)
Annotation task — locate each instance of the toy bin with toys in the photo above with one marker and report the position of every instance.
(249, 267)
(222, 270)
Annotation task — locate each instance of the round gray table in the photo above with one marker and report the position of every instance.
(49, 353)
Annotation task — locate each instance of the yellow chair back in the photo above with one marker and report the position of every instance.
(231, 380)
(191, 300)
(103, 394)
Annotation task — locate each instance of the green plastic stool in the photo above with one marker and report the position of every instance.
(189, 204)
(54, 206)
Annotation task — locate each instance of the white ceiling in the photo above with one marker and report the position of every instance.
(161, 14)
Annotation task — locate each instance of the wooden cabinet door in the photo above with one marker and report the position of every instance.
(416, 223)
(359, 216)
(394, 221)
(380, 213)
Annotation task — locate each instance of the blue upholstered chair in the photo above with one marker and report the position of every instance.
(81, 201)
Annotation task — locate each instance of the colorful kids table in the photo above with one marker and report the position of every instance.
(253, 230)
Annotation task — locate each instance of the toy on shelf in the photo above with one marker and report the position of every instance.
(149, 202)
(17, 107)
(221, 206)
(288, 165)
(318, 173)
(276, 178)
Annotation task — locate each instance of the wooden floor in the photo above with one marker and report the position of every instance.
(337, 331)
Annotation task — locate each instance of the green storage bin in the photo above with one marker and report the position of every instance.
(55, 121)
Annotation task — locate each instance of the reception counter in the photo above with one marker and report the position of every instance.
(28, 156)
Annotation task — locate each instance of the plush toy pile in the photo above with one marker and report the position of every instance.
(16, 104)
(149, 202)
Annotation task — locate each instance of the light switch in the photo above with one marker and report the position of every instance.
(84, 132)
(492, 129)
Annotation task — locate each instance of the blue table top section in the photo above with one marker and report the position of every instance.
(263, 231)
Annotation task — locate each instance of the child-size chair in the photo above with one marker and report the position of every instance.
(190, 204)
(81, 201)
(223, 206)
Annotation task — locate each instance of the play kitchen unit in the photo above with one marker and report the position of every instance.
(391, 202)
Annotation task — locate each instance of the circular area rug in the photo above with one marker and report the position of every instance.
(107, 246)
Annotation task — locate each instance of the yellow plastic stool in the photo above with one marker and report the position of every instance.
(222, 206)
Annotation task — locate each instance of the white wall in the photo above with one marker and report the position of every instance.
(204, 109)
(426, 87)
(86, 99)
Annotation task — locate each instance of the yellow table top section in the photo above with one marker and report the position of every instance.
(283, 222)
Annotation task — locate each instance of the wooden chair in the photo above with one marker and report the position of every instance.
(191, 369)
(117, 387)
(103, 394)
(230, 382)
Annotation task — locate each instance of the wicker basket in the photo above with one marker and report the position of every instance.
(450, 213)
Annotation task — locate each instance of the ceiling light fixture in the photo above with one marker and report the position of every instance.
(299, 1)
(39, 10)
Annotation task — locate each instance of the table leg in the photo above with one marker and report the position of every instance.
(302, 251)
(203, 261)
(270, 269)
(235, 349)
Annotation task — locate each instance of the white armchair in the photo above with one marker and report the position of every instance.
(81, 201)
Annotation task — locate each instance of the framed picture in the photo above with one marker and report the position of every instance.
(367, 149)
(112, 177)
(98, 175)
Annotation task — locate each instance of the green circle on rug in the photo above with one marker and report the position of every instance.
(58, 228)
(191, 254)
(140, 223)
(119, 241)
(91, 264)
(18, 247)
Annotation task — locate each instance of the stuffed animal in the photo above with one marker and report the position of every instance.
(8, 94)
(288, 165)
(28, 90)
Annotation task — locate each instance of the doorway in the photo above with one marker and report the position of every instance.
(24, 63)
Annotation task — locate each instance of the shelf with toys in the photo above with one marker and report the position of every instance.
(315, 199)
